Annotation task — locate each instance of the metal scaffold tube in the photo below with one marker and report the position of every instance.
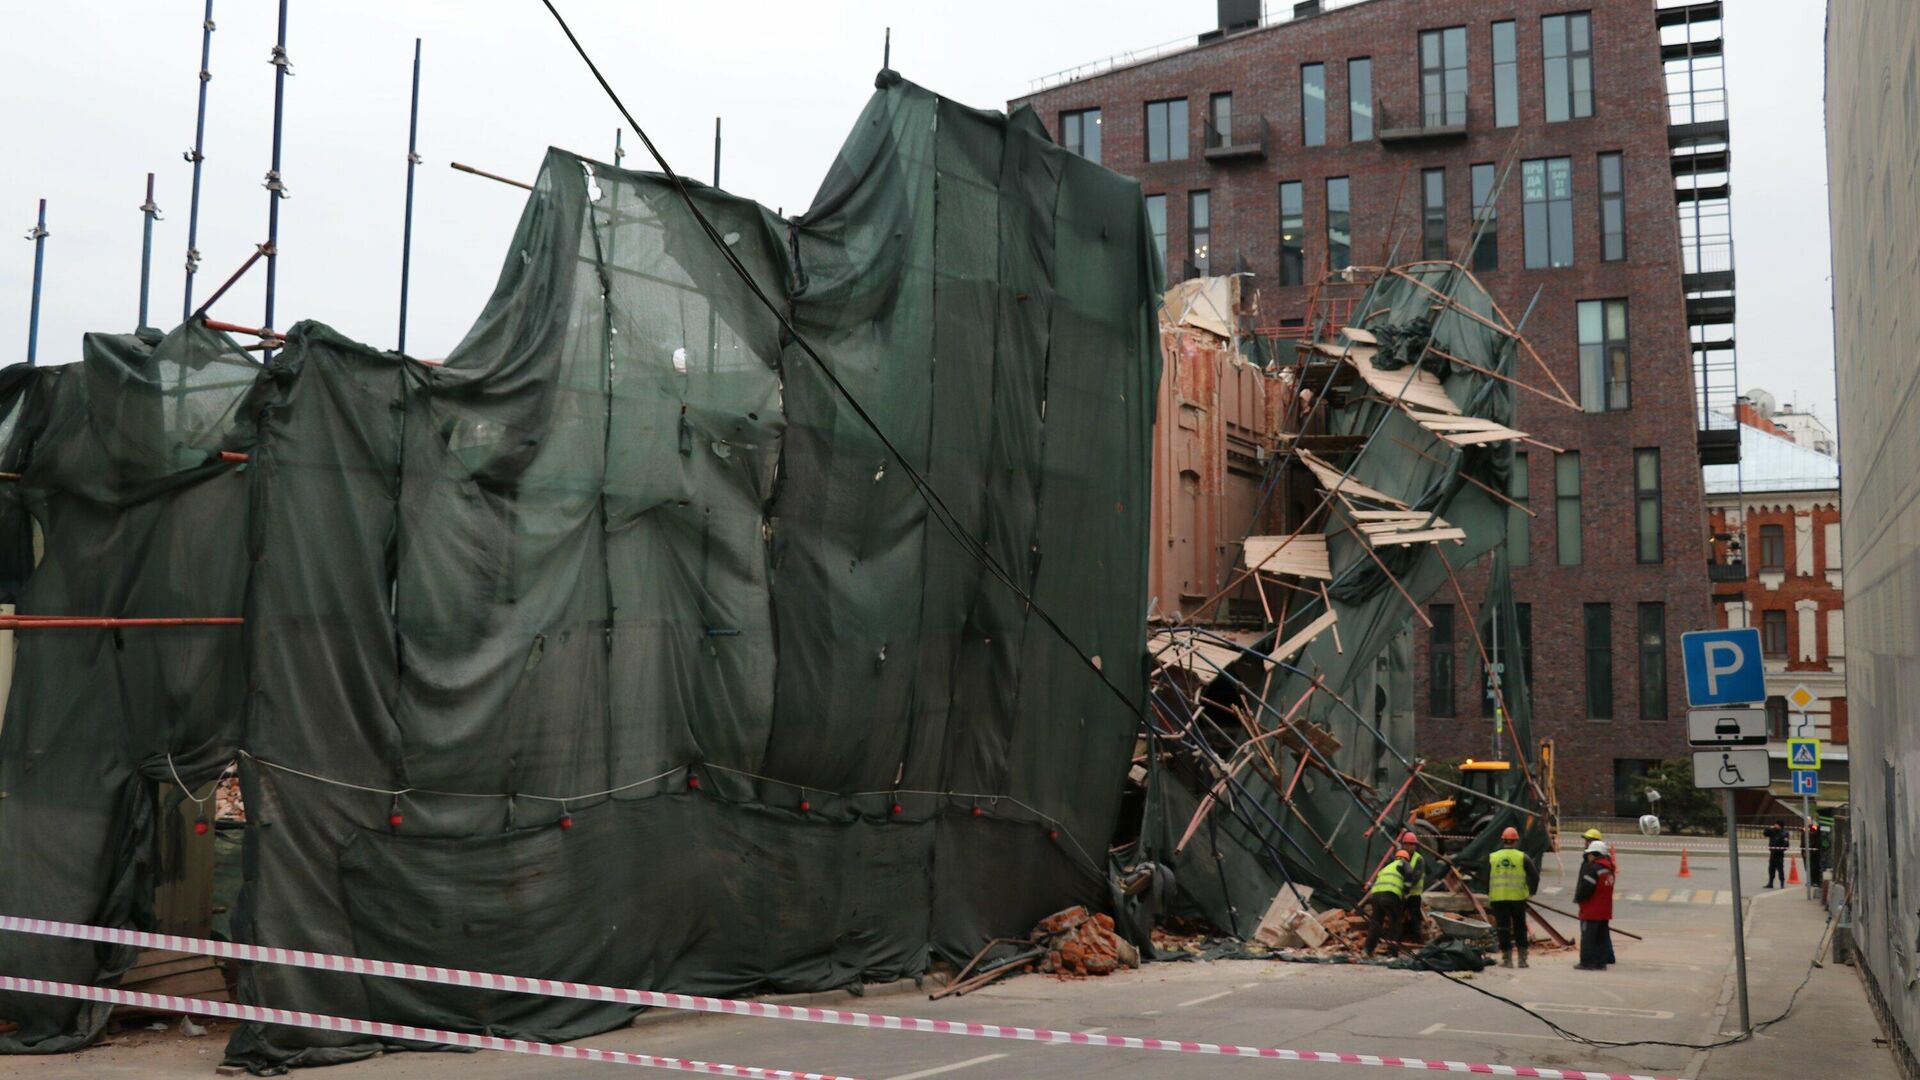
(276, 189)
(38, 234)
(196, 157)
(150, 213)
(406, 232)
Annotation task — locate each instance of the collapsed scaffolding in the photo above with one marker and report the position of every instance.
(1277, 763)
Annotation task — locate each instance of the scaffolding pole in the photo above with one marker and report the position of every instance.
(196, 158)
(38, 234)
(406, 232)
(276, 190)
(151, 214)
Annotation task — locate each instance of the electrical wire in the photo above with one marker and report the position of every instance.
(1819, 947)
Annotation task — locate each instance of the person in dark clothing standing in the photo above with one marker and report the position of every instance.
(1512, 878)
(1815, 851)
(1594, 894)
(1776, 854)
(1383, 904)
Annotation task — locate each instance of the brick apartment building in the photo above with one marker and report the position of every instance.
(1332, 138)
(1775, 530)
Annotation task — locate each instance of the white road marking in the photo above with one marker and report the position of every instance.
(1248, 986)
(1552, 890)
(1204, 1000)
(941, 1070)
(1598, 1010)
(1442, 1029)
(1149, 1012)
(1083, 1031)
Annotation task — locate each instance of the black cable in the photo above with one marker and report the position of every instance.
(1819, 947)
(948, 520)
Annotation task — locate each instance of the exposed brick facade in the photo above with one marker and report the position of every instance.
(1262, 69)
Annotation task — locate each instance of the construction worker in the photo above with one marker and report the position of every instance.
(1383, 903)
(1776, 854)
(1512, 878)
(1594, 894)
(1815, 849)
(1413, 921)
(1594, 834)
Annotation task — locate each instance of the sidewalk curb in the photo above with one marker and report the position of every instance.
(656, 1017)
(1728, 988)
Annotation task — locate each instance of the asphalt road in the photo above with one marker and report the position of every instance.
(1670, 987)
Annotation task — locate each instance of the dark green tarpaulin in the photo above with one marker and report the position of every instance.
(625, 560)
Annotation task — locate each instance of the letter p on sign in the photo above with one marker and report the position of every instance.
(1724, 667)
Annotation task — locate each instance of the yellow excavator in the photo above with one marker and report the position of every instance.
(1445, 825)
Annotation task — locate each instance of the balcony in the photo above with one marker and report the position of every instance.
(1719, 446)
(1732, 570)
(1439, 120)
(1244, 135)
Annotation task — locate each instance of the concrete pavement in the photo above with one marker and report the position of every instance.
(1674, 987)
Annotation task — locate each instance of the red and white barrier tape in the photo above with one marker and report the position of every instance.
(843, 1017)
(229, 1011)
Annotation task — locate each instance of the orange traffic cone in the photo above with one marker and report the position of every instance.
(1685, 871)
(1793, 870)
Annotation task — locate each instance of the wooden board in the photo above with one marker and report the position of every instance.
(1332, 479)
(1464, 430)
(1421, 390)
(1304, 555)
(1364, 337)
(1286, 649)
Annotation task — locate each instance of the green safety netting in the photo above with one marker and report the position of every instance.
(1244, 854)
(618, 649)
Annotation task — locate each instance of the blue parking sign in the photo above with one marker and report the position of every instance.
(1806, 782)
(1723, 667)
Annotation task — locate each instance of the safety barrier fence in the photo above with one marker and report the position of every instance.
(650, 998)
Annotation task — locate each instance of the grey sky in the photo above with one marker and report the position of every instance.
(95, 94)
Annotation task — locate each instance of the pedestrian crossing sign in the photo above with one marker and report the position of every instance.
(1803, 753)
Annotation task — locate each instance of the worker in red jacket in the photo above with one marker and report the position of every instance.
(1594, 894)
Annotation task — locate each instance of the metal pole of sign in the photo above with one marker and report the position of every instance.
(413, 162)
(1739, 922)
(1806, 817)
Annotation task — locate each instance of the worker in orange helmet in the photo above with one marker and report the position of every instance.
(1383, 903)
(1413, 916)
(1512, 878)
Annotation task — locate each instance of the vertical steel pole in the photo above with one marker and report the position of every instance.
(716, 151)
(39, 238)
(151, 213)
(413, 160)
(276, 190)
(619, 153)
(886, 51)
(1739, 920)
(196, 157)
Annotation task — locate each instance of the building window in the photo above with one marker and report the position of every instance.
(1157, 221)
(1220, 120)
(1604, 383)
(1773, 548)
(1613, 209)
(1486, 220)
(1200, 229)
(1313, 104)
(1339, 225)
(1293, 231)
(1566, 507)
(1599, 620)
(1546, 186)
(1776, 708)
(1080, 133)
(1647, 541)
(1360, 99)
(1167, 130)
(1773, 633)
(1440, 661)
(1443, 77)
(1566, 48)
(1653, 661)
(1506, 76)
(1433, 215)
(1519, 531)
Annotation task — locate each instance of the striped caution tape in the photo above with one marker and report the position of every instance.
(696, 1003)
(289, 1017)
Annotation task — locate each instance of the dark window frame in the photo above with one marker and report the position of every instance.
(1519, 521)
(1608, 358)
(1433, 213)
(1572, 64)
(1613, 203)
(1566, 508)
(1073, 136)
(1486, 216)
(1159, 228)
(1313, 111)
(1653, 660)
(1773, 548)
(1506, 74)
(1647, 497)
(1345, 218)
(1360, 114)
(1441, 662)
(1293, 264)
(1173, 114)
(1775, 635)
(1200, 230)
(1443, 86)
(1546, 217)
(1597, 621)
(1220, 128)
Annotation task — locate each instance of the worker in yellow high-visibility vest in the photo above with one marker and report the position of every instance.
(1413, 916)
(1383, 904)
(1512, 878)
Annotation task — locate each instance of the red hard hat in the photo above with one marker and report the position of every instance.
(1408, 838)
(1509, 833)
(1401, 855)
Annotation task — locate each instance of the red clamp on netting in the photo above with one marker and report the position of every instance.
(566, 821)
(894, 810)
(693, 781)
(978, 811)
(394, 817)
(200, 826)
(1053, 834)
(805, 806)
